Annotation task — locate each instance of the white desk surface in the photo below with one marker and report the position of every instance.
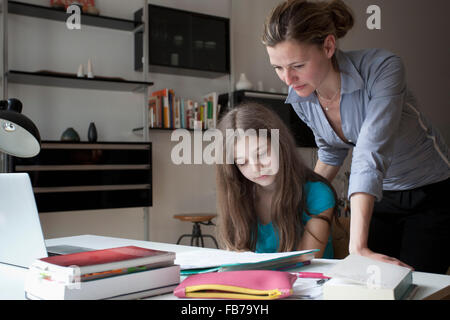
(12, 278)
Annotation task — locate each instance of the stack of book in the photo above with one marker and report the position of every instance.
(118, 273)
(171, 112)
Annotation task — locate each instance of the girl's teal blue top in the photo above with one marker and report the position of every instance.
(319, 197)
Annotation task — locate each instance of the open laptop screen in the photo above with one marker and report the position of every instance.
(21, 237)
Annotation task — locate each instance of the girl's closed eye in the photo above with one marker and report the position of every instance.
(262, 154)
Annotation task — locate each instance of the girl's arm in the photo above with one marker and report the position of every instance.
(317, 232)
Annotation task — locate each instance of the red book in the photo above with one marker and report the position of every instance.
(104, 260)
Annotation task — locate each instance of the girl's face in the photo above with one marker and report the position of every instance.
(256, 160)
(302, 66)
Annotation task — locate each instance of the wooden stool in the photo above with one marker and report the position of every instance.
(197, 219)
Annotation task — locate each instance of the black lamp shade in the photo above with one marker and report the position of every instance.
(18, 134)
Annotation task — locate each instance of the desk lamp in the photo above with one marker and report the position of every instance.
(18, 135)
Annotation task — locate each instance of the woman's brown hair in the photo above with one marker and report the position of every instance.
(238, 223)
(307, 22)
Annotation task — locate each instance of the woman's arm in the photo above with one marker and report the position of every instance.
(361, 213)
(327, 171)
(317, 232)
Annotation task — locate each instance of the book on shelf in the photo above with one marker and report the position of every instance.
(128, 286)
(211, 99)
(201, 262)
(154, 119)
(361, 278)
(166, 110)
(72, 267)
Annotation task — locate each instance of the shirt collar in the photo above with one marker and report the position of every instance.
(350, 80)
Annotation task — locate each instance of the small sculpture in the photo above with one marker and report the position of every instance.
(70, 135)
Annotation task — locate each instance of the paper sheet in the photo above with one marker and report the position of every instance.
(208, 259)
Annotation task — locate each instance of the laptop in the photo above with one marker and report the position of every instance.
(21, 237)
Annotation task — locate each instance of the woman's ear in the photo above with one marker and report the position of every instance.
(329, 45)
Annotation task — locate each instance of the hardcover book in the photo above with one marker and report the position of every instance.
(80, 263)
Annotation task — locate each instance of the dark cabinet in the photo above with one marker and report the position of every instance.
(85, 176)
(185, 43)
(303, 135)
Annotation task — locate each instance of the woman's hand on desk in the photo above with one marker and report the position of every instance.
(362, 206)
(366, 252)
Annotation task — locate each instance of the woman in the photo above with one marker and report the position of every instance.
(359, 99)
(268, 200)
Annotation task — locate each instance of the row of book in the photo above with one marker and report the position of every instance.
(118, 273)
(168, 111)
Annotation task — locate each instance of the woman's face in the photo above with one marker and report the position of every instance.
(256, 160)
(302, 66)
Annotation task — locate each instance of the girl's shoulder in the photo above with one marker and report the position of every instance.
(319, 197)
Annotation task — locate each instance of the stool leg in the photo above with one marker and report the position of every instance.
(201, 240)
(213, 239)
(181, 237)
(197, 234)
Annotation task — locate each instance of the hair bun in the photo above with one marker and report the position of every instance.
(342, 17)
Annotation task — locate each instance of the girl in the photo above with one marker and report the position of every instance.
(268, 200)
(359, 100)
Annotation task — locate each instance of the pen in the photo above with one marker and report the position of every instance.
(311, 275)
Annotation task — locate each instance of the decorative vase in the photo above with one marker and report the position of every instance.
(90, 73)
(243, 83)
(80, 73)
(70, 135)
(92, 133)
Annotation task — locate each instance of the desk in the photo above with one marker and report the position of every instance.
(12, 278)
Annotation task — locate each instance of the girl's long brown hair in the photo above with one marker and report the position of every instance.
(237, 227)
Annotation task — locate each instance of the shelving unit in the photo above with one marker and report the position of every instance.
(72, 81)
(43, 12)
(67, 81)
(56, 79)
(86, 176)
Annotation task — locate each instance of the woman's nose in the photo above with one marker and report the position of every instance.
(289, 76)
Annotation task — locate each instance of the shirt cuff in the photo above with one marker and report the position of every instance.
(333, 159)
(366, 182)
